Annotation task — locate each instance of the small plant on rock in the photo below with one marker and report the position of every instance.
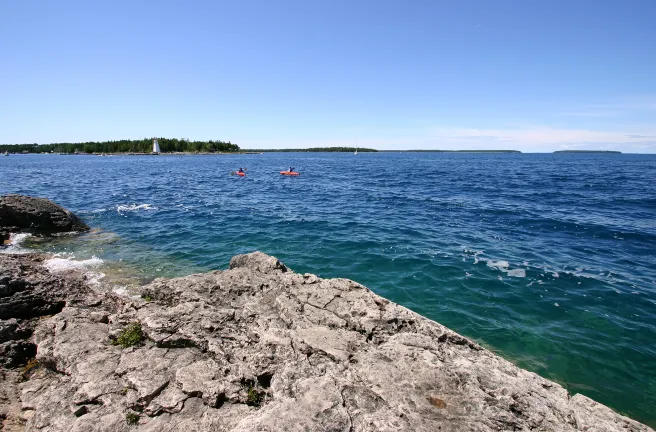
(129, 336)
(30, 368)
(253, 398)
(146, 297)
(132, 418)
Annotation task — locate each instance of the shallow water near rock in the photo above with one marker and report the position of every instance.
(547, 259)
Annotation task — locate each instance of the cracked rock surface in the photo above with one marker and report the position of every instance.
(261, 348)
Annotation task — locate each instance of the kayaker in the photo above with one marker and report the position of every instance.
(291, 169)
(241, 170)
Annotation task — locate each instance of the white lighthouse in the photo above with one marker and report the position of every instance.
(155, 146)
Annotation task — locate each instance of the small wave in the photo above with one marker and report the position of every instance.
(122, 291)
(516, 273)
(100, 210)
(135, 207)
(503, 266)
(58, 264)
(89, 267)
(15, 244)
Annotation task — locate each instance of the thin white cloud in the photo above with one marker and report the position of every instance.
(527, 139)
(593, 113)
(537, 137)
(627, 106)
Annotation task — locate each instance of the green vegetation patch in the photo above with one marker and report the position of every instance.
(132, 418)
(253, 398)
(32, 366)
(130, 336)
(125, 146)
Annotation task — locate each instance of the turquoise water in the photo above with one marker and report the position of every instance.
(549, 260)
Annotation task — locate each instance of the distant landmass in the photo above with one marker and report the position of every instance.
(588, 151)
(125, 146)
(319, 149)
(454, 151)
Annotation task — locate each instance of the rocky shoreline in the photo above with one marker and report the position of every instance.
(254, 348)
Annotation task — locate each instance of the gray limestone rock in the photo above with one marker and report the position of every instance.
(37, 215)
(261, 348)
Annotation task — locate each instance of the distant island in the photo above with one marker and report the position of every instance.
(318, 150)
(588, 151)
(167, 145)
(453, 151)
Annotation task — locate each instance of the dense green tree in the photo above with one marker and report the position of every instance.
(167, 145)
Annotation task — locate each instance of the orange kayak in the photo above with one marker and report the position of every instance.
(240, 174)
(292, 173)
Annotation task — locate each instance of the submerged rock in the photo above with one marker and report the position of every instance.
(261, 348)
(20, 213)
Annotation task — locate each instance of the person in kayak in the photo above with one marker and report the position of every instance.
(241, 170)
(291, 169)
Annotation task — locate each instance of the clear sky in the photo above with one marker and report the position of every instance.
(532, 75)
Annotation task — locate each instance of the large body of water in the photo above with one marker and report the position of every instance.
(549, 260)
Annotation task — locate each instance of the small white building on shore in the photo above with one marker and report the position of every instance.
(156, 146)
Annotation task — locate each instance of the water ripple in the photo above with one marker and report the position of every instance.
(547, 259)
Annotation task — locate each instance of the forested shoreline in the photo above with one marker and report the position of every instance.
(167, 145)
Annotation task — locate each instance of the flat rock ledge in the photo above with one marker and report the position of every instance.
(261, 348)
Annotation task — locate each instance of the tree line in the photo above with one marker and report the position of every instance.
(167, 145)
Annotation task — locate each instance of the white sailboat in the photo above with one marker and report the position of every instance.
(356, 147)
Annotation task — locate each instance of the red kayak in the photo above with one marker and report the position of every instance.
(242, 174)
(290, 173)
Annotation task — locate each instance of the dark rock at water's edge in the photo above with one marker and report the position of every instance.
(20, 213)
(256, 348)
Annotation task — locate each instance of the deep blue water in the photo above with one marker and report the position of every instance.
(549, 260)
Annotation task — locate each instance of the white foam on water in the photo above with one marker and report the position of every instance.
(100, 210)
(89, 267)
(15, 244)
(516, 273)
(503, 266)
(121, 290)
(135, 207)
(59, 264)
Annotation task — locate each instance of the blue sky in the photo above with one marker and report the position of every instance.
(533, 75)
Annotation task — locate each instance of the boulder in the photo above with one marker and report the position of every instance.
(261, 348)
(20, 213)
